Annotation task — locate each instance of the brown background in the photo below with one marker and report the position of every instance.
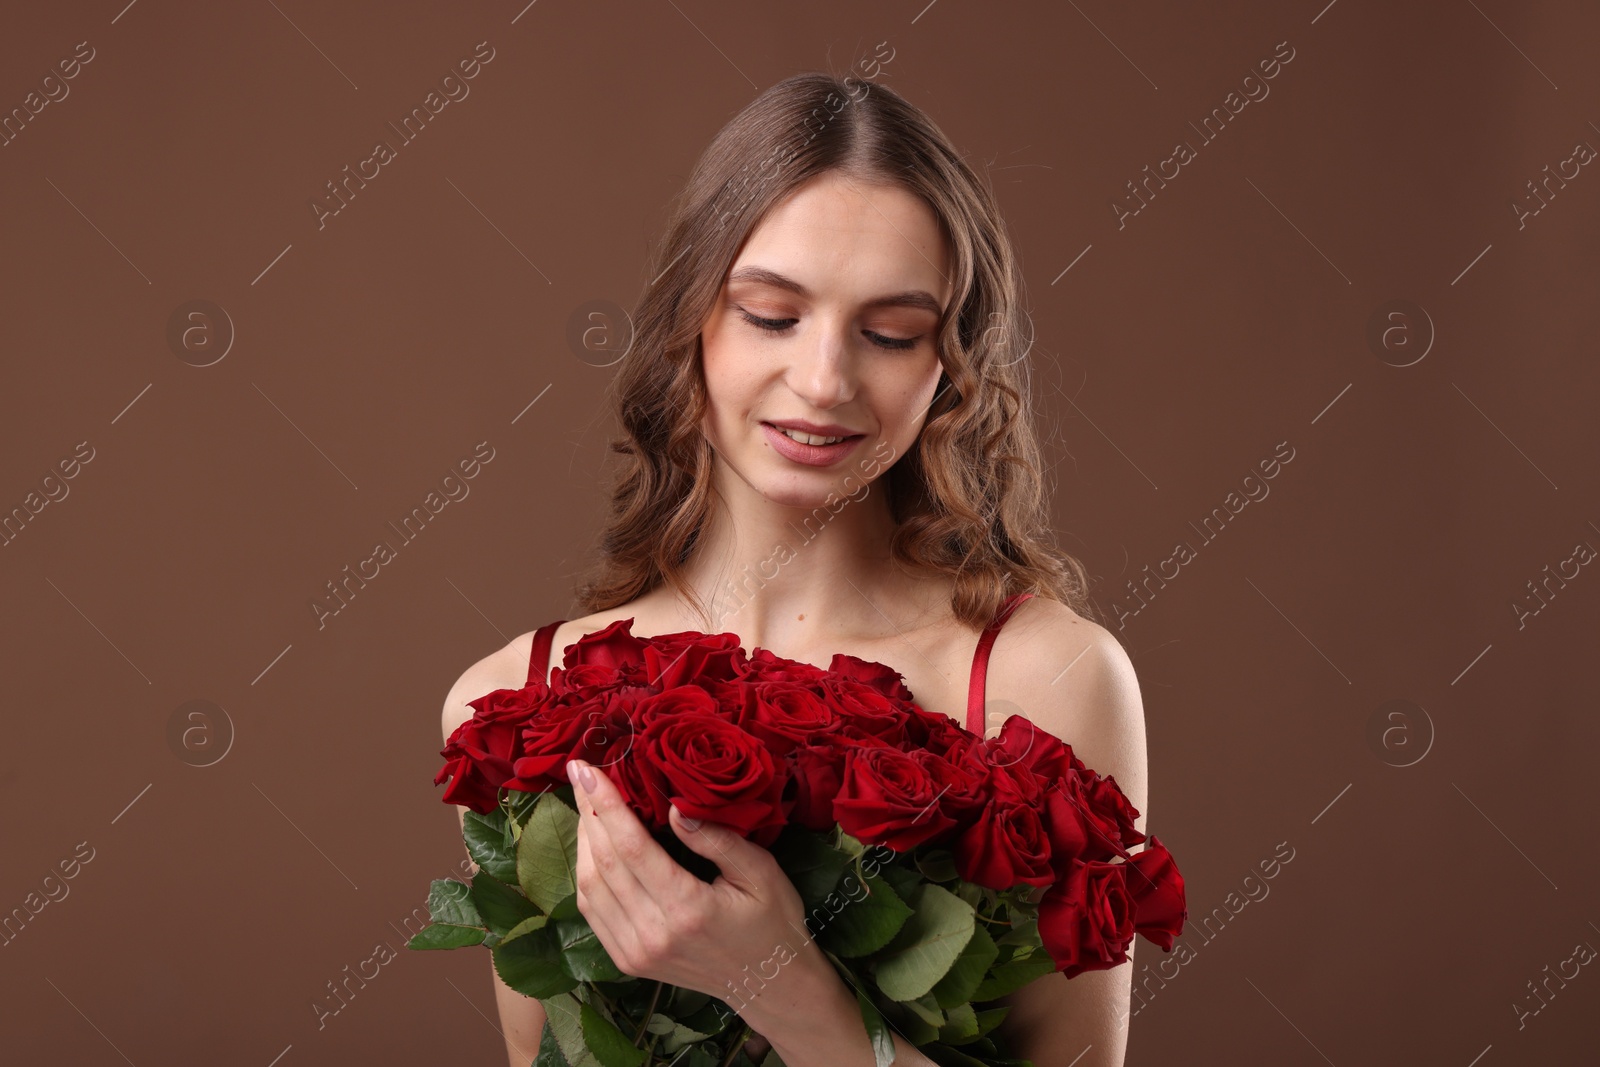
(1230, 315)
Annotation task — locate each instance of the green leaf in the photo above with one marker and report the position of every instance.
(968, 971)
(962, 1025)
(486, 844)
(607, 1043)
(877, 1032)
(549, 1050)
(685, 1002)
(680, 1036)
(501, 906)
(1010, 977)
(927, 1009)
(519, 803)
(930, 942)
(900, 875)
(908, 1024)
(582, 954)
(712, 1017)
(450, 901)
(945, 1056)
(547, 853)
(1024, 931)
(867, 924)
(567, 909)
(445, 935)
(532, 966)
(990, 1018)
(526, 926)
(562, 1020)
(813, 865)
(937, 865)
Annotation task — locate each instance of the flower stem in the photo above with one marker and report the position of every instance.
(737, 1045)
(655, 998)
(605, 1001)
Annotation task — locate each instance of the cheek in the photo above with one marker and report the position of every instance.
(728, 387)
(907, 397)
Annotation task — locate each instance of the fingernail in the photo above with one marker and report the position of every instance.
(688, 823)
(585, 775)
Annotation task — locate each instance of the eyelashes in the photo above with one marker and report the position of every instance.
(778, 326)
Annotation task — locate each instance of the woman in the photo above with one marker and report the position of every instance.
(828, 448)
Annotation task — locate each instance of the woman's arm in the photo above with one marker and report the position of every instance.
(813, 1019)
(521, 1017)
(1093, 705)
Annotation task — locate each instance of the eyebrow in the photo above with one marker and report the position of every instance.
(911, 298)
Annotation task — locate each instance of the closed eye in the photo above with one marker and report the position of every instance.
(778, 326)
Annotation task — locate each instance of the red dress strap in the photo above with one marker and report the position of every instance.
(980, 662)
(539, 660)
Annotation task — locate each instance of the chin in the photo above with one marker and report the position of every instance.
(812, 492)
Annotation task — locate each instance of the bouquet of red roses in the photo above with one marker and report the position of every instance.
(947, 870)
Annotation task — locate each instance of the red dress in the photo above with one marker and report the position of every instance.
(539, 660)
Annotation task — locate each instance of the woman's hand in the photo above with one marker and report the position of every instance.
(741, 938)
(659, 921)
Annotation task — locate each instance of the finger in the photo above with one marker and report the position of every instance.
(594, 898)
(615, 925)
(622, 852)
(736, 857)
(595, 901)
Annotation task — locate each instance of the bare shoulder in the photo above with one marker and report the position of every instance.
(1047, 646)
(504, 668)
(507, 667)
(1072, 677)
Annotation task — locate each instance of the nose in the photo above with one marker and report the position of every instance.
(824, 373)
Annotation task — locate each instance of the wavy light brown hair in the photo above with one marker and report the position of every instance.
(968, 497)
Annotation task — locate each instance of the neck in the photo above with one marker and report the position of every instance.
(791, 577)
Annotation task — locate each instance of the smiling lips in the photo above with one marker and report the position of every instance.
(810, 444)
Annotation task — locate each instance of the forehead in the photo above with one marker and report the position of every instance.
(845, 238)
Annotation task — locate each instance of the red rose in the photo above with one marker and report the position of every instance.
(888, 797)
(865, 710)
(1089, 817)
(1159, 907)
(931, 731)
(595, 729)
(1005, 846)
(965, 783)
(712, 770)
(1112, 809)
(480, 753)
(614, 647)
(669, 703)
(672, 660)
(764, 666)
(784, 715)
(1067, 824)
(816, 772)
(1021, 785)
(587, 677)
(1022, 744)
(639, 795)
(1086, 919)
(885, 680)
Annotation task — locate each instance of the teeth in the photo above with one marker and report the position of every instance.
(808, 439)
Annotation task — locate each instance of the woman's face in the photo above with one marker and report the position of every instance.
(828, 317)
